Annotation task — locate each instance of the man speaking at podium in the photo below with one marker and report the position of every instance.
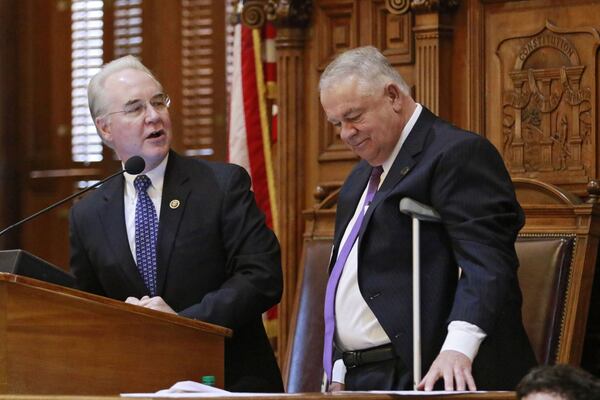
(472, 332)
(184, 237)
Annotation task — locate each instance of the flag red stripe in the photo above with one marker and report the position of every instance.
(253, 126)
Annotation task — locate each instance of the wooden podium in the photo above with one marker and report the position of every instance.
(56, 340)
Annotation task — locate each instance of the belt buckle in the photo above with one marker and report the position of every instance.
(352, 358)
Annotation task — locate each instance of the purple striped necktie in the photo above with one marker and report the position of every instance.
(336, 272)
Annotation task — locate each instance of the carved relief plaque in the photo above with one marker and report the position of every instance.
(548, 91)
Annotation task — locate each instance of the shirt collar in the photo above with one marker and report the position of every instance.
(387, 164)
(156, 175)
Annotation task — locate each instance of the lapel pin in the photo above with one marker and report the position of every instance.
(174, 204)
(405, 170)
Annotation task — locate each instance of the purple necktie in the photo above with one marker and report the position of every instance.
(146, 233)
(336, 272)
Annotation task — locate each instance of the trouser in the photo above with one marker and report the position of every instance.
(383, 375)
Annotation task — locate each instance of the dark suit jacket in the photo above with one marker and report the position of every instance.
(462, 176)
(217, 260)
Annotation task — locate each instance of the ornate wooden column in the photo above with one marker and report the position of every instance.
(291, 18)
(9, 185)
(433, 42)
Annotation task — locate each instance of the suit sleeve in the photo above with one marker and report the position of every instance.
(475, 197)
(254, 283)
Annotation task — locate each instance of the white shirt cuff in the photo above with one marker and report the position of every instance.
(338, 374)
(464, 337)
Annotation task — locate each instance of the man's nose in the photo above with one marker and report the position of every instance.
(347, 130)
(151, 115)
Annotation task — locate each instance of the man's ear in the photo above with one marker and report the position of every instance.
(104, 128)
(395, 96)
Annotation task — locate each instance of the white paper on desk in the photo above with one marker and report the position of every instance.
(182, 389)
(191, 389)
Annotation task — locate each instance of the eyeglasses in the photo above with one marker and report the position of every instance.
(137, 108)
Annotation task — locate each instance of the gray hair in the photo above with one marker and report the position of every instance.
(96, 98)
(367, 65)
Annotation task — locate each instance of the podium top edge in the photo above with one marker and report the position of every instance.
(112, 303)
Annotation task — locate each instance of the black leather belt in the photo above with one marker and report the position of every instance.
(360, 357)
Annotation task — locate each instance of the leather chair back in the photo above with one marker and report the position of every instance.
(305, 348)
(545, 265)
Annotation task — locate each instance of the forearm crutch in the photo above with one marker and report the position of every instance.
(418, 212)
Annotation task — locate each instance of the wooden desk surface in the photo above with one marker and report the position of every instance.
(307, 396)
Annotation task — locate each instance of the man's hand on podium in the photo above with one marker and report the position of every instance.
(155, 303)
(335, 387)
(454, 367)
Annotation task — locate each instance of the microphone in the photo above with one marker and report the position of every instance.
(133, 166)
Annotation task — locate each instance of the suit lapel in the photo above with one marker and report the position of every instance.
(348, 200)
(404, 162)
(112, 217)
(176, 190)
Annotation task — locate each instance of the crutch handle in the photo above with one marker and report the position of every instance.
(418, 210)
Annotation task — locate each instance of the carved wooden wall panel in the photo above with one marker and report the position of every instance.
(392, 33)
(541, 80)
(336, 30)
(434, 46)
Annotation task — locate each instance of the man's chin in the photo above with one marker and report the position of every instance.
(370, 159)
(154, 158)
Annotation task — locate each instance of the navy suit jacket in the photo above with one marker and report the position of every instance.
(464, 178)
(217, 260)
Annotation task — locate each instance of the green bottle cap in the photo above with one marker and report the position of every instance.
(208, 380)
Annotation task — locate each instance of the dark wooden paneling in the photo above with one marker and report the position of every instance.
(9, 135)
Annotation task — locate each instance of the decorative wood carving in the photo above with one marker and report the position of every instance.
(290, 13)
(548, 88)
(593, 189)
(254, 13)
(324, 189)
(336, 25)
(427, 6)
(392, 33)
(433, 37)
(397, 6)
(403, 6)
(285, 13)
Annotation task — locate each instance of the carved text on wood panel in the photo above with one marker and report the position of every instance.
(547, 103)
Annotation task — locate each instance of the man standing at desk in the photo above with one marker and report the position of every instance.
(183, 237)
(472, 332)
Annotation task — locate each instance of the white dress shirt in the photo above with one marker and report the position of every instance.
(357, 327)
(157, 176)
